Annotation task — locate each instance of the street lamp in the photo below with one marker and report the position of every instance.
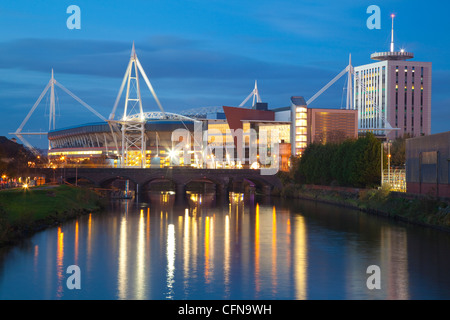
(389, 162)
(382, 159)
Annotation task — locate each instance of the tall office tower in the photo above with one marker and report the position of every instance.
(393, 96)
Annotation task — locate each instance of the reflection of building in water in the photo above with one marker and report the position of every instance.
(300, 260)
(186, 247)
(210, 247)
(257, 250)
(199, 203)
(60, 263)
(76, 242)
(141, 279)
(170, 260)
(227, 255)
(394, 263)
(274, 249)
(122, 276)
(162, 200)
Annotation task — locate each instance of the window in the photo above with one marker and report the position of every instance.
(300, 123)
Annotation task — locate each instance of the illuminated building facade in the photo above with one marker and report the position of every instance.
(393, 96)
(291, 129)
(94, 143)
(331, 125)
(317, 125)
(299, 125)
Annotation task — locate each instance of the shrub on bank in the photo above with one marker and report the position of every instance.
(352, 163)
(428, 211)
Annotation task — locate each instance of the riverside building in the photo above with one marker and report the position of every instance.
(393, 95)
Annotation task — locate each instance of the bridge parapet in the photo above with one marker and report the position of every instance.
(180, 176)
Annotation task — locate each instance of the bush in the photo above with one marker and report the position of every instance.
(353, 163)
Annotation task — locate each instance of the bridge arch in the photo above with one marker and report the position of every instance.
(80, 180)
(159, 183)
(251, 184)
(222, 178)
(117, 182)
(203, 185)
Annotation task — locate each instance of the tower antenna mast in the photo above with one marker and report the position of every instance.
(392, 33)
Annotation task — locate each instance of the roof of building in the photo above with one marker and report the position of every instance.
(281, 109)
(298, 101)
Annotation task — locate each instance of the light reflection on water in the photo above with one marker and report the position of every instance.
(237, 248)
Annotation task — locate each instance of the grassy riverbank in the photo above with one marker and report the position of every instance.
(426, 211)
(25, 211)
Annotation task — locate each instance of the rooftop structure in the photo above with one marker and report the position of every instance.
(392, 54)
(392, 95)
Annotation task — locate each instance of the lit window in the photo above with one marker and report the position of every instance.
(300, 123)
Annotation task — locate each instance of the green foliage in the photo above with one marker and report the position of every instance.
(354, 163)
(14, 158)
(22, 211)
(398, 151)
(20, 206)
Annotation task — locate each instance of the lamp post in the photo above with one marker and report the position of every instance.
(382, 153)
(389, 162)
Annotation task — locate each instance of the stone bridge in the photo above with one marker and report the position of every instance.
(140, 179)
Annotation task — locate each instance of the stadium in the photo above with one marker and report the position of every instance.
(96, 143)
(146, 139)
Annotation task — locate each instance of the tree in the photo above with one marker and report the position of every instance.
(353, 163)
(372, 162)
(14, 158)
(398, 151)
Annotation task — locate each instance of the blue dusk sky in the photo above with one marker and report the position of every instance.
(201, 53)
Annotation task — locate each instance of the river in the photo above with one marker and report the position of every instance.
(241, 247)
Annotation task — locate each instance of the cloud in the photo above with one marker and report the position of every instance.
(180, 69)
(161, 57)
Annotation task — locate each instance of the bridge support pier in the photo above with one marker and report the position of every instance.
(267, 190)
(180, 190)
(221, 189)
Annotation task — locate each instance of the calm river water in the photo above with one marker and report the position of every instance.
(241, 247)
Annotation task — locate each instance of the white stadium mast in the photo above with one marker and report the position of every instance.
(349, 70)
(254, 94)
(52, 112)
(132, 125)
